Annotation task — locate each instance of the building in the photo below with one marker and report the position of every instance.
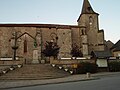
(108, 45)
(115, 49)
(19, 39)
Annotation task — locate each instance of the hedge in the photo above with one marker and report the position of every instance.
(85, 67)
(114, 66)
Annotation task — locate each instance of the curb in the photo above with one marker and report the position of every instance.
(50, 83)
(107, 74)
(93, 77)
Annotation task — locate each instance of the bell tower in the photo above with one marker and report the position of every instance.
(89, 19)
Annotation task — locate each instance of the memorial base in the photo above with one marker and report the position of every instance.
(35, 61)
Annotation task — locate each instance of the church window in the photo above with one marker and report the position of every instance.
(25, 45)
(90, 20)
(83, 32)
(89, 8)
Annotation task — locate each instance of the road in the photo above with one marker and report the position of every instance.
(104, 83)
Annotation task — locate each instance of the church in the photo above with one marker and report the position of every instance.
(17, 40)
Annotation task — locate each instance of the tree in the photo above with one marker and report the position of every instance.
(76, 52)
(51, 49)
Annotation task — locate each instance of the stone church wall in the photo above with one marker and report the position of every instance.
(64, 40)
(101, 46)
(76, 40)
(5, 41)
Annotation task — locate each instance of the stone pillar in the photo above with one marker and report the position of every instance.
(84, 45)
(39, 42)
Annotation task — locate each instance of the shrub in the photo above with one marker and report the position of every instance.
(51, 49)
(85, 67)
(114, 66)
(76, 52)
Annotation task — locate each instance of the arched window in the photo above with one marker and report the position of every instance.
(83, 32)
(25, 44)
(90, 20)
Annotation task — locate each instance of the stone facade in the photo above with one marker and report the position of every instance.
(86, 35)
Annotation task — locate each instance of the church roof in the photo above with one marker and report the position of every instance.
(41, 25)
(87, 8)
(101, 54)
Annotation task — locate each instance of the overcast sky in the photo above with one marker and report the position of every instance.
(62, 12)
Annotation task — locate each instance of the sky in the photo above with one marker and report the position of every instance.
(61, 12)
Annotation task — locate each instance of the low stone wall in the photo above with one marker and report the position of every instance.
(69, 65)
(71, 61)
(10, 62)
